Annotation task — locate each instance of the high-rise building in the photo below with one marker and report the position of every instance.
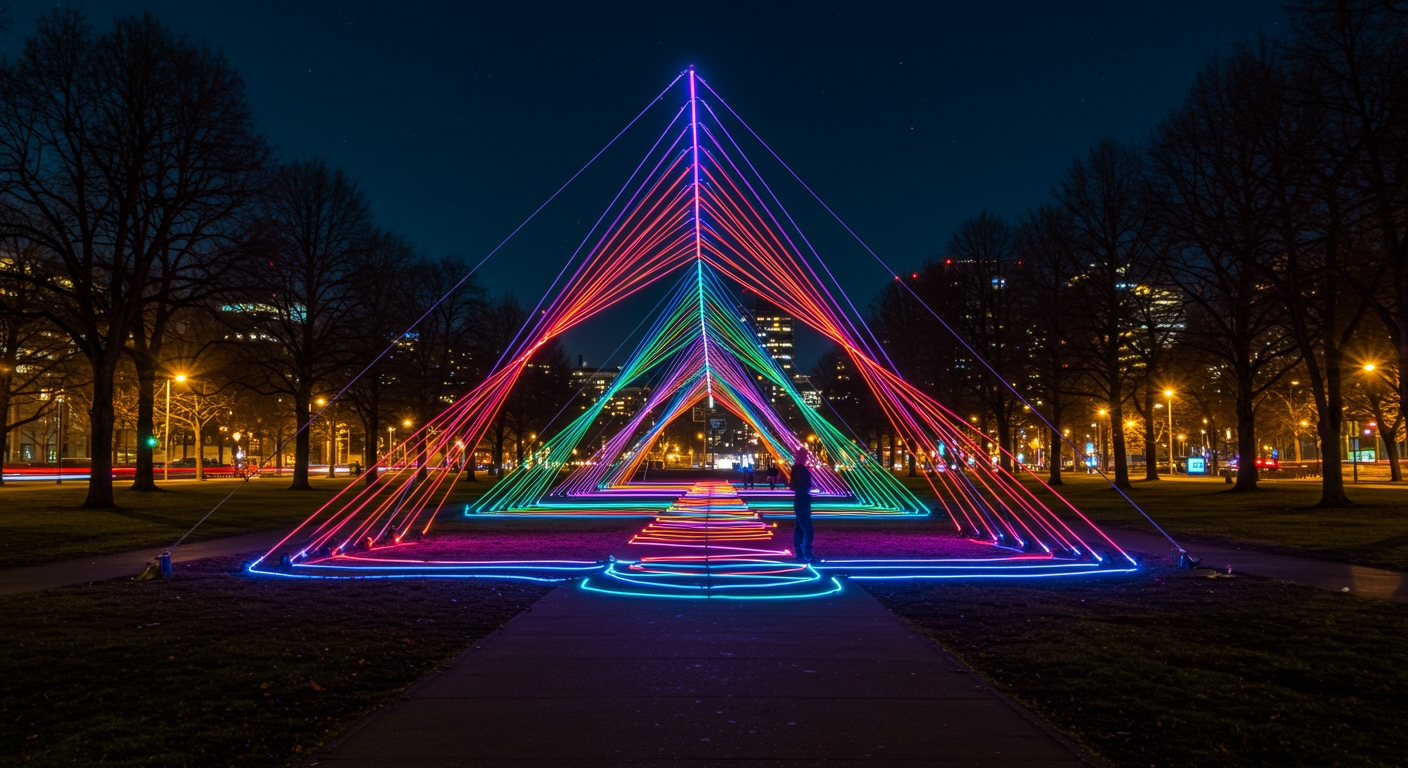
(591, 383)
(773, 329)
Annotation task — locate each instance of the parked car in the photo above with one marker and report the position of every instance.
(190, 461)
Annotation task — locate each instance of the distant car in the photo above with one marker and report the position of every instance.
(1261, 463)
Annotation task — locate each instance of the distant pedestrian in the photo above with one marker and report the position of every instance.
(772, 477)
(747, 477)
(802, 506)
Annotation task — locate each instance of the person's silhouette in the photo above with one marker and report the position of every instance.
(802, 506)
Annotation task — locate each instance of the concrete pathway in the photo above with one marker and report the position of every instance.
(31, 578)
(589, 679)
(1358, 579)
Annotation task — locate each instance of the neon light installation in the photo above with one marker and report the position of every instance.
(696, 207)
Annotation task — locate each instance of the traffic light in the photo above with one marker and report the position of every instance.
(152, 442)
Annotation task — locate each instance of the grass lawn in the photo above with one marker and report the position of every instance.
(216, 669)
(44, 522)
(1280, 516)
(1165, 668)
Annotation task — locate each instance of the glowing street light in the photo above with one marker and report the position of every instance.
(166, 438)
(1169, 394)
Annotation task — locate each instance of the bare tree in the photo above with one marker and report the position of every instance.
(1102, 199)
(436, 366)
(1354, 54)
(198, 402)
(1044, 287)
(382, 310)
(117, 152)
(314, 231)
(1218, 186)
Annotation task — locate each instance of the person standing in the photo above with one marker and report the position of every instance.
(772, 476)
(802, 506)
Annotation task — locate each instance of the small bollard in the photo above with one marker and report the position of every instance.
(163, 562)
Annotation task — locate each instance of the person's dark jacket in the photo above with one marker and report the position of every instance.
(801, 479)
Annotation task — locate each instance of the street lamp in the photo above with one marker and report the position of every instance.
(1169, 394)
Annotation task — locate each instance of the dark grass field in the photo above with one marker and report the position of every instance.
(1171, 669)
(219, 669)
(44, 523)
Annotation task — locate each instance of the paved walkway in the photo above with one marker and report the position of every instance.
(31, 578)
(588, 679)
(1368, 582)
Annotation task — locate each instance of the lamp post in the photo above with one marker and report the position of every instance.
(59, 454)
(390, 445)
(1100, 438)
(166, 431)
(1168, 393)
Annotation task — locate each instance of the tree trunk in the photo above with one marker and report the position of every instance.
(1330, 427)
(1004, 442)
(1114, 371)
(101, 420)
(4, 425)
(200, 451)
(301, 443)
(1055, 455)
(1390, 437)
(1246, 438)
(145, 477)
(1117, 446)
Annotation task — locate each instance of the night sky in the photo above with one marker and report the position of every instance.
(458, 119)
